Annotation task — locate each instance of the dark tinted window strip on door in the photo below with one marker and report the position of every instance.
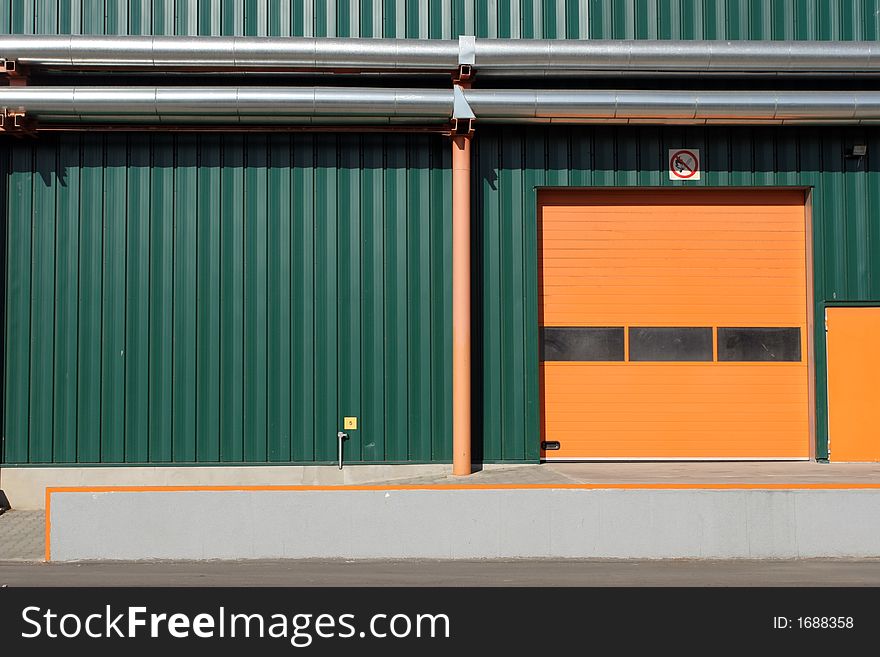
(765, 344)
(670, 343)
(581, 343)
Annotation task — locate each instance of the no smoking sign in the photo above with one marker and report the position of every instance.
(684, 163)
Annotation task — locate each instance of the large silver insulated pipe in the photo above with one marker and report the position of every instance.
(539, 57)
(675, 107)
(160, 53)
(643, 57)
(334, 105)
(205, 105)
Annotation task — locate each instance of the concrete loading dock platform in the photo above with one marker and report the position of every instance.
(734, 510)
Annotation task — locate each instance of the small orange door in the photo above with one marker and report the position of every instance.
(673, 324)
(853, 383)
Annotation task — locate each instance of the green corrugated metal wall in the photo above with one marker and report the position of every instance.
(238, 361)
(444, 19)
(135, 340)
(202, 299)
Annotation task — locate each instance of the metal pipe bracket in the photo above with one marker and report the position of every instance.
(17, 123)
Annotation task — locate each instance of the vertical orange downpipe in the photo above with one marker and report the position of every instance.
(461, 305)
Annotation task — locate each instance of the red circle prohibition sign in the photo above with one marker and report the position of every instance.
(690, 170)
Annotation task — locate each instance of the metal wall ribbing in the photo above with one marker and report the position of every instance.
(203, 299)
(199, 298)
(445, 19)
(227, 299)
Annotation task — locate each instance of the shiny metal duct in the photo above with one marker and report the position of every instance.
(245, 53)
(205, 105)
(674, 107)
(335, 105)
(586, 57)
(539, 57)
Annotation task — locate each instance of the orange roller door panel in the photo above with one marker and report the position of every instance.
(702, 410)
(695, 258)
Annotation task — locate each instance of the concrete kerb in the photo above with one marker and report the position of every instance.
(26, 486)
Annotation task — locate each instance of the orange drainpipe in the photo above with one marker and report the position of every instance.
(461, 305)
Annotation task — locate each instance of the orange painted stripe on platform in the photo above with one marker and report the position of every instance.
(378, 487)
(646, 486)
(49, 492)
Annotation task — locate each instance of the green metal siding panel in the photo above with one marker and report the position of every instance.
(208, 17)
(18, 305)
(512, 310)
(88, 432)
(525, 328)
(5, 152)
(137, 297)
(280, 267)
(486, 359)
(441, 300)
(117, 17)
(303, 259)
(66, 302)
(113, 305)
(161, 299)
(185, 305)
(136, 300)
(396, 392)
(871, 270)
(204, 299)
(419, 320)
(326, 337)
(348, 301)
(231, 296)
(373, 425)
(436, 19)
(255, 290)
(207, 395)
(42, 305)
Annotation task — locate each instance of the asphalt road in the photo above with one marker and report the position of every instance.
(817, 572)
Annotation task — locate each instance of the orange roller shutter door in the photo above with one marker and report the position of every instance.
(697, 300)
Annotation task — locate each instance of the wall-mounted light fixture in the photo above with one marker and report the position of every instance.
(857, 150)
